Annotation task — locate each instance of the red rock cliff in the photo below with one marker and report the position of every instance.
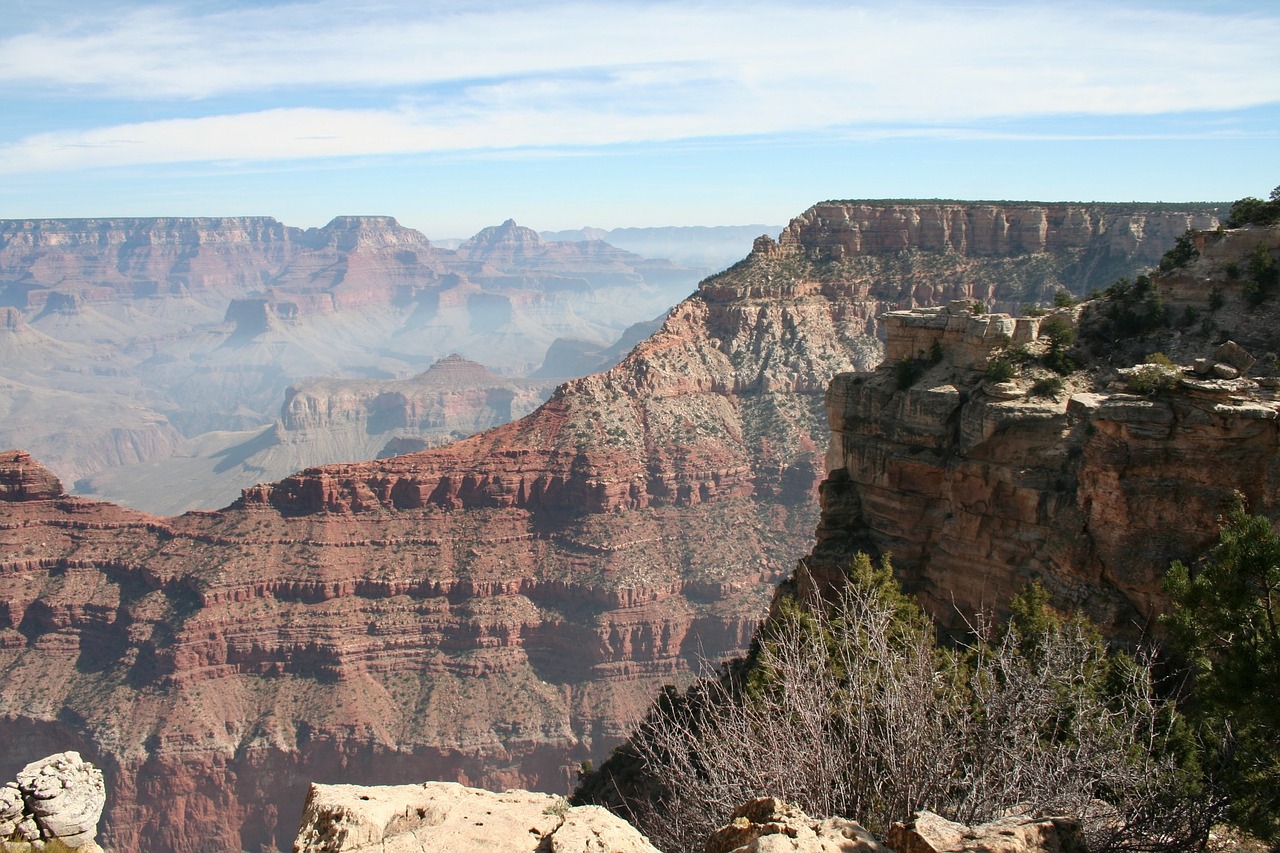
(492, 612)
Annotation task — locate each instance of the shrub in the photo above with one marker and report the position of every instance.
(1263, 275)
(1050, 386)
(1063, 299)
(1061, 334)
(1060, 331)
(1255, 211)
(1182, 253)
(1216, 299)
(1001, 369)
(1151, 379)
(908, 370)
(978, 307)
(850, 706)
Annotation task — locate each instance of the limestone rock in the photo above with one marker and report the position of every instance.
(445, 817)
(1094, 495)
(65, 794)
(769, 825)
(929, 833)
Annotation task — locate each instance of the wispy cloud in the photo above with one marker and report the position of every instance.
(494, 75)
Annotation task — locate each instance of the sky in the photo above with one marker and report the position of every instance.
(452, 116)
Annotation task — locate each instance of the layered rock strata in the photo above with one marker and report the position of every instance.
(1091, 486)
(121, 337)
(491, 612)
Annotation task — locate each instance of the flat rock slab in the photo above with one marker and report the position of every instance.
(445, 817)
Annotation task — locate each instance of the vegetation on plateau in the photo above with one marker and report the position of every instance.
(853, 706)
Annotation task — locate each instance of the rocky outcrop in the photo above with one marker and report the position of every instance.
(492, 612)
(54, 805)
(443, 817)
(1092, 487)
(24, 479)
(926, 832)
(120, 338)
(769, 824)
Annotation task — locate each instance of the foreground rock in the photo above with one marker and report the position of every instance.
(929, 833)
(768, 825)
(54, 805)
(444, 817)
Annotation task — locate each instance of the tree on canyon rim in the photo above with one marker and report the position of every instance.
(1227, 623)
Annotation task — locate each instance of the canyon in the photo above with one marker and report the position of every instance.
(500, 609)
(132, 342)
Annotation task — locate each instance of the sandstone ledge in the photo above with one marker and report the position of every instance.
(445, 817)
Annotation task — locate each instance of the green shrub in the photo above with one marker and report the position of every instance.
(1152, 379)
(1226, 621)
(1263, 274)
(1061, 334)
(1050, 386)
(1001, 369)
(1182, 253)
(1063, 299)
(1255, 211)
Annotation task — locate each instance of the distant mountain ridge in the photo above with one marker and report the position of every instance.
(711, 247)
(126, 340)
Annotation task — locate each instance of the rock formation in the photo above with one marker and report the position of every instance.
(929, 833)
(768, 825)
(54, 805)
(120, 338)
(444, 817)
(491, 612)
(326, 419)
(977, 487)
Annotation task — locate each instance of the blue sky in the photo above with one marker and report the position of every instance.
(453, 116)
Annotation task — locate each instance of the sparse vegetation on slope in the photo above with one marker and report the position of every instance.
(853, 707)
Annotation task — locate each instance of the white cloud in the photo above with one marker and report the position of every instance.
(497, 76)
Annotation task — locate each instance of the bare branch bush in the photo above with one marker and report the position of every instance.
(851, 708)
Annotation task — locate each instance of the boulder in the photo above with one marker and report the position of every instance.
(445, 817)
(768, 825)
(65, 795)
(930, 833)
(1236, 356)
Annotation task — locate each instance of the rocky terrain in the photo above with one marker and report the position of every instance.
(134, 341)
(497, 610)
(326, 419)
(444, 817)
(1091, 482)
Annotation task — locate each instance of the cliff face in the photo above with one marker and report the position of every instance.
(490, 612)
(978, 487)
(120, 338)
